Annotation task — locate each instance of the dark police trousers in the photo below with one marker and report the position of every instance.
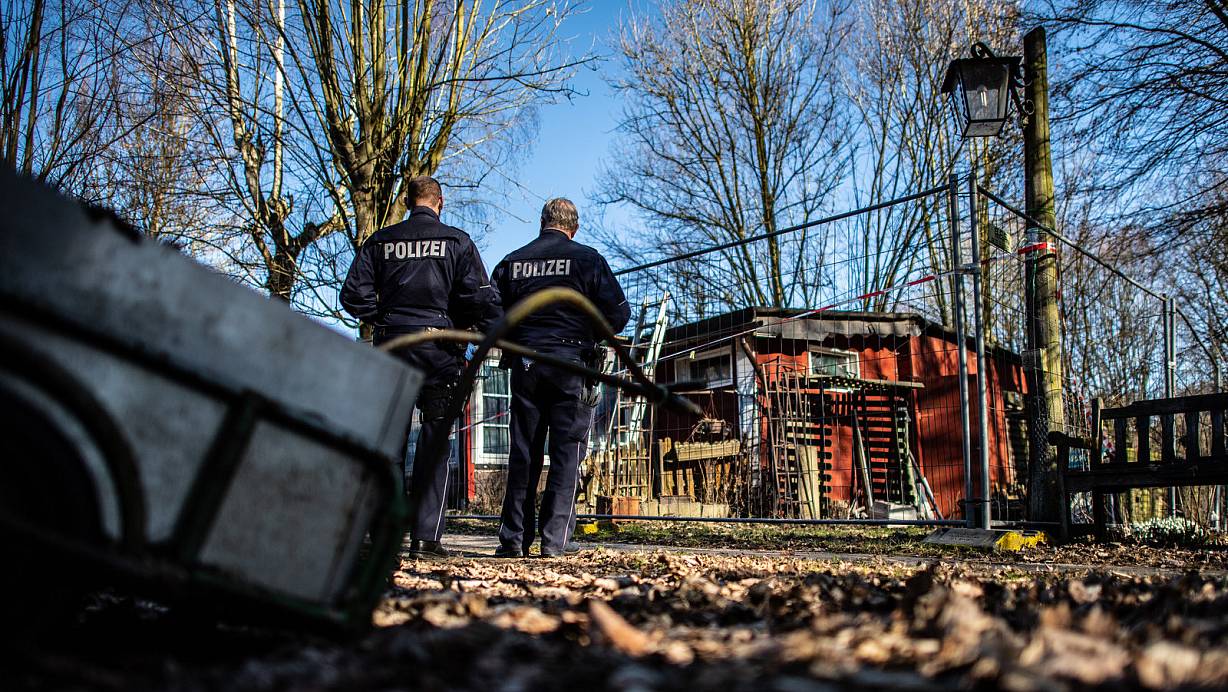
(544, 400)
(428, 489)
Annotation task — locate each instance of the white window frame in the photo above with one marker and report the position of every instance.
(482, 456)
(851, 357)
(707, 355)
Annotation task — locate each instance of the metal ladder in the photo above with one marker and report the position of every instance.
(625, 435)
(626, 425)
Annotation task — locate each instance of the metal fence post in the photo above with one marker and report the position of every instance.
(1170, 373)
(982, 364)
(957, 305)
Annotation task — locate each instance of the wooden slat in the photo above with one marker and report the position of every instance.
(1142, 428)
(1200, 466)
(824, 456)
(1217, 433)
(1119, 439)
(1057, 437)
(1192, 452)
(1099, 515)
(1097, 431)
(1111, 479)
(1168, 439)
(1155, 407)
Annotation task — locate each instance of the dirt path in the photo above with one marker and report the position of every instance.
(478, 546)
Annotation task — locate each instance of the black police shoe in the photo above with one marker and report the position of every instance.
(571, 547)
(508, 551)
(552, 552)
(430, 550)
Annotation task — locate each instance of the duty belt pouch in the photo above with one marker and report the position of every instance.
(453, 348)
(433, 400)
(594, 359)
(592, 393)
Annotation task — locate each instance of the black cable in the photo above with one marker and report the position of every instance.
(465, 337)
(1066, 241)
(535, 302)
(640, 384)
(801, 226)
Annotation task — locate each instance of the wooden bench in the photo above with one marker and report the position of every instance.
(1201, 463)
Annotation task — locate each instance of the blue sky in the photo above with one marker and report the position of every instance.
(563, 160)
(573, 137)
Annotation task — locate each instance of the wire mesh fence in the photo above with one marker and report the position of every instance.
(1122, 342)
(826, 367)
(826, 360)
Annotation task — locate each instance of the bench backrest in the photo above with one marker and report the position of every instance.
(1190, 408)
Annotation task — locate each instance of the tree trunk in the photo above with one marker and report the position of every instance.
(283, 270)
(1045, 322)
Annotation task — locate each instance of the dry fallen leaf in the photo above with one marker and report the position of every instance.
(527, 619)
(1083, 593)
(706, 622)
(1165, 665)
(617, 631)
(1071, 655)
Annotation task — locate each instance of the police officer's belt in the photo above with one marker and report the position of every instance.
(384, 332)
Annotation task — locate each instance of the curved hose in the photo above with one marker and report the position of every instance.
(640, 383)
(466, 337)
(532, 303)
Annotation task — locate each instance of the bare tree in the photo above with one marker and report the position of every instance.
(900, 52)
(413, 88)
(1145, 84)
(1141, 133)
(731, 129)
(1113, 331)
(159, 177)
(1200, 285)
(320, 110)
(259, 165)
(61, 86)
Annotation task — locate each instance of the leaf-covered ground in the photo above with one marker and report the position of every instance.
(614, 620)
(896, 542)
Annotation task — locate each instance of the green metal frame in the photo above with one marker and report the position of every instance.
(172, 568)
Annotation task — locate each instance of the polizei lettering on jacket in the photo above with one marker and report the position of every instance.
(528, 269)
(414, 249)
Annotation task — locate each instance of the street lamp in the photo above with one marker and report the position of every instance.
(983, 86)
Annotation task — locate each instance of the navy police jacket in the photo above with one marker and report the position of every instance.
(420, 273)
(554, 259)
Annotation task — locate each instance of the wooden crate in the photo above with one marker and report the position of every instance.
(618, 504)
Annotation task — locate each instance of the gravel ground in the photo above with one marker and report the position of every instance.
(669, 620)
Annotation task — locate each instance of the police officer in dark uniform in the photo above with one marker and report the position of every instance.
(419, 275)
(546, 401)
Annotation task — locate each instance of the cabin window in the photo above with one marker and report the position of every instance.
(713, 368)
(834, 363)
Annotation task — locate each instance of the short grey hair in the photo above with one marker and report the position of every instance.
(560, 213)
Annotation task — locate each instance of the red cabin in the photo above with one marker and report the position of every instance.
(845, 407)
(807, 414)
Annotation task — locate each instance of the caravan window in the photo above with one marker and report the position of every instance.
(835, 363)
(714, 368)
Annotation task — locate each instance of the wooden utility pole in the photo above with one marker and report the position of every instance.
(1044, 321)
